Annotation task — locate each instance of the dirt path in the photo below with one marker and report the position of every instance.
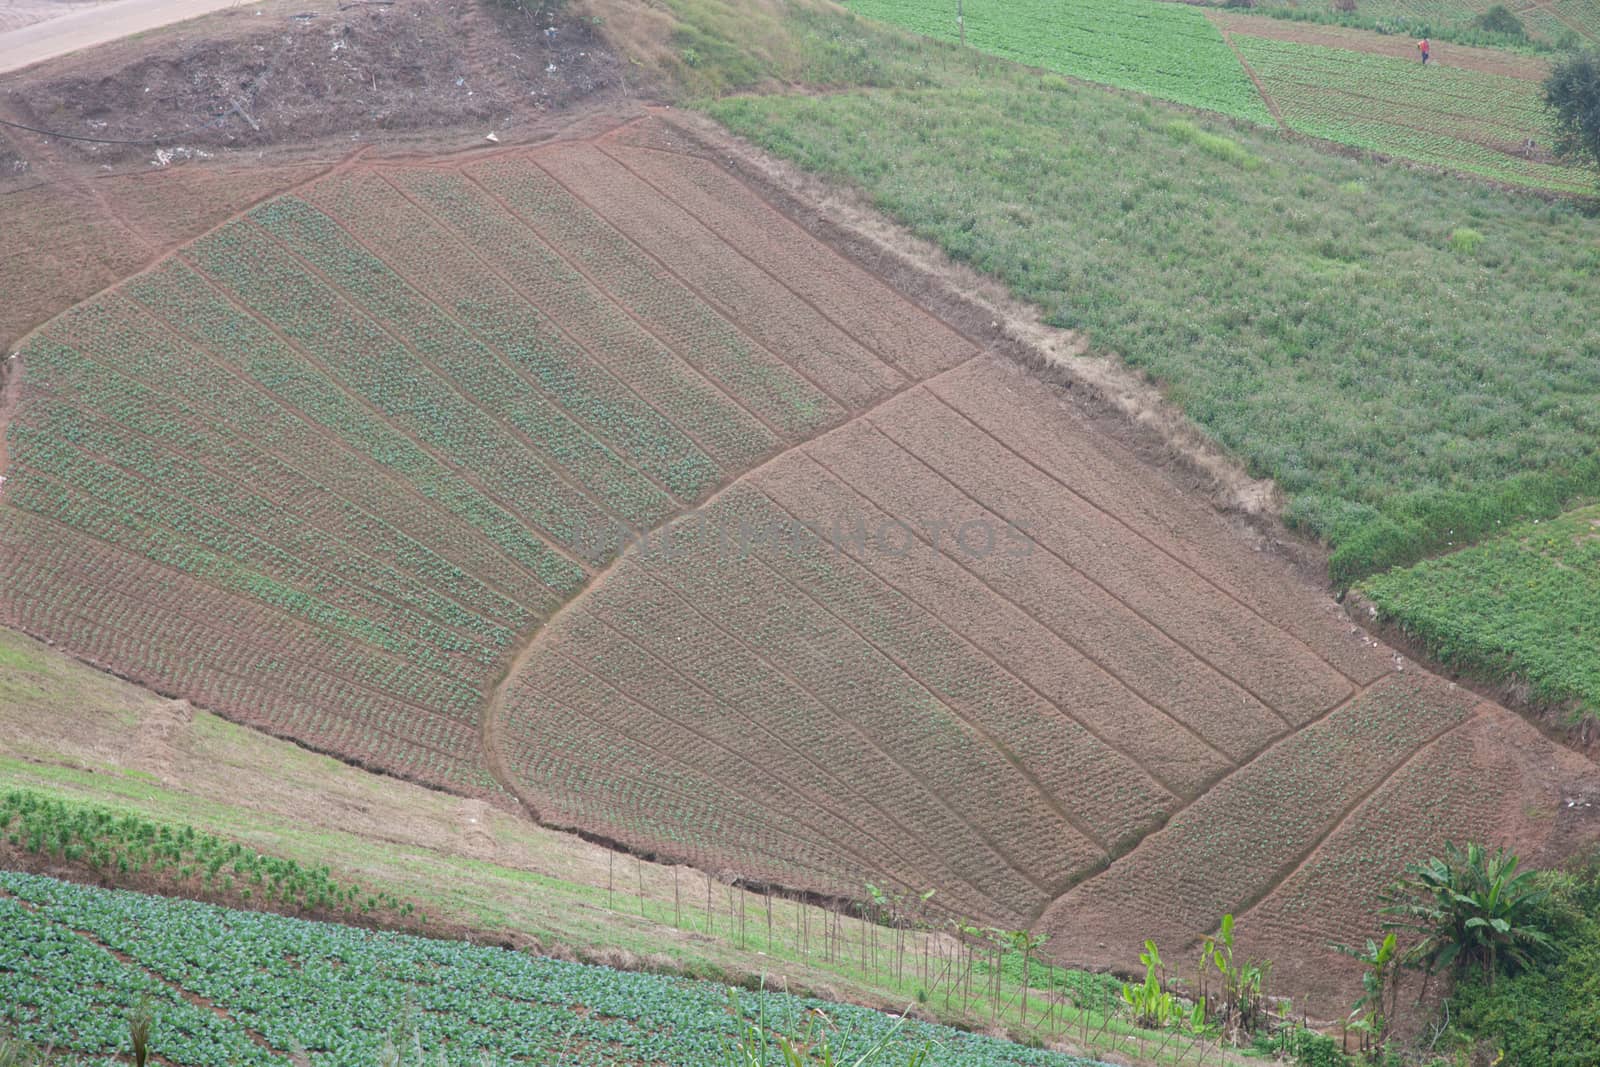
(80, 29)
(1445, 54)
(1261, 88)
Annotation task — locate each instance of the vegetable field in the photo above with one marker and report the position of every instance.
(1473, 121)
(1550, 21)
(1463, 120)
(322, 469)
(244, 988)
(1524, 605)
(1167, 50)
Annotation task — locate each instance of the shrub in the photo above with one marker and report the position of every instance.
(1214, 145)
(1465, 240)
(1573, 92)
(1499, 19)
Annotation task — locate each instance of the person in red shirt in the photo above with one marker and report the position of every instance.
(1422, 46)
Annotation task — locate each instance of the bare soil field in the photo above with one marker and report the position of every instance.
(153, 141)
(584, 476)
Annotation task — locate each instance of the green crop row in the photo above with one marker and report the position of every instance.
(1525, 604)
(1167, 50)
(230, 987)
(241, 344)
(1451, 117)
(388, 376)
(477, 370)
(1547, 24)
(121, 846)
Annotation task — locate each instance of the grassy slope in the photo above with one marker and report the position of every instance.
(338, 992)
(88, 739)
(1526, 603)
(1311, 313)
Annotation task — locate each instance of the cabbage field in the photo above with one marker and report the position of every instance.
(243, 988)
(1526, 603)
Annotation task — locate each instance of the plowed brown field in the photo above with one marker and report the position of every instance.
(584, 475)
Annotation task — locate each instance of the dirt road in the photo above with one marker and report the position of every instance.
(87, 27)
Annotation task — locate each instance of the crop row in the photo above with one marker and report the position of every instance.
(988, 810)
(1009, 815)
(1136, 758)
(239, 343)
(1230, 847)
(821, 751)
(339, 993)
(660, 302)
(237, 452)
(230, 654)
(779, 320)
(1454, 117)
(1087, 783)
(1269, 664)
(913, 341)
(421, 251)
(1580, 15)
(460, 359)
(778, 763)
(152, 600)
(128, 474)
(798, 734)
(602, 351)
(1158, 669)
(675, 781)
(1170, 51)
(1335, 897)
(351, 348)
(1156, 511)
(65, 487)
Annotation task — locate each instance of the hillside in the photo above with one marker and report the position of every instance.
(755, 464)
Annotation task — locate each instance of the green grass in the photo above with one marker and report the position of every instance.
(1450, 117)
(1525, 604)
(1403, 394)
(273, 985)
(1167, 50)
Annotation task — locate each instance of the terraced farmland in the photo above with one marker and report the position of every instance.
(369, 467)
(342, 452)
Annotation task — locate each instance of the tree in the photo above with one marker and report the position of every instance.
(1499, 19)
(1573, 92)
(1470, 908)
